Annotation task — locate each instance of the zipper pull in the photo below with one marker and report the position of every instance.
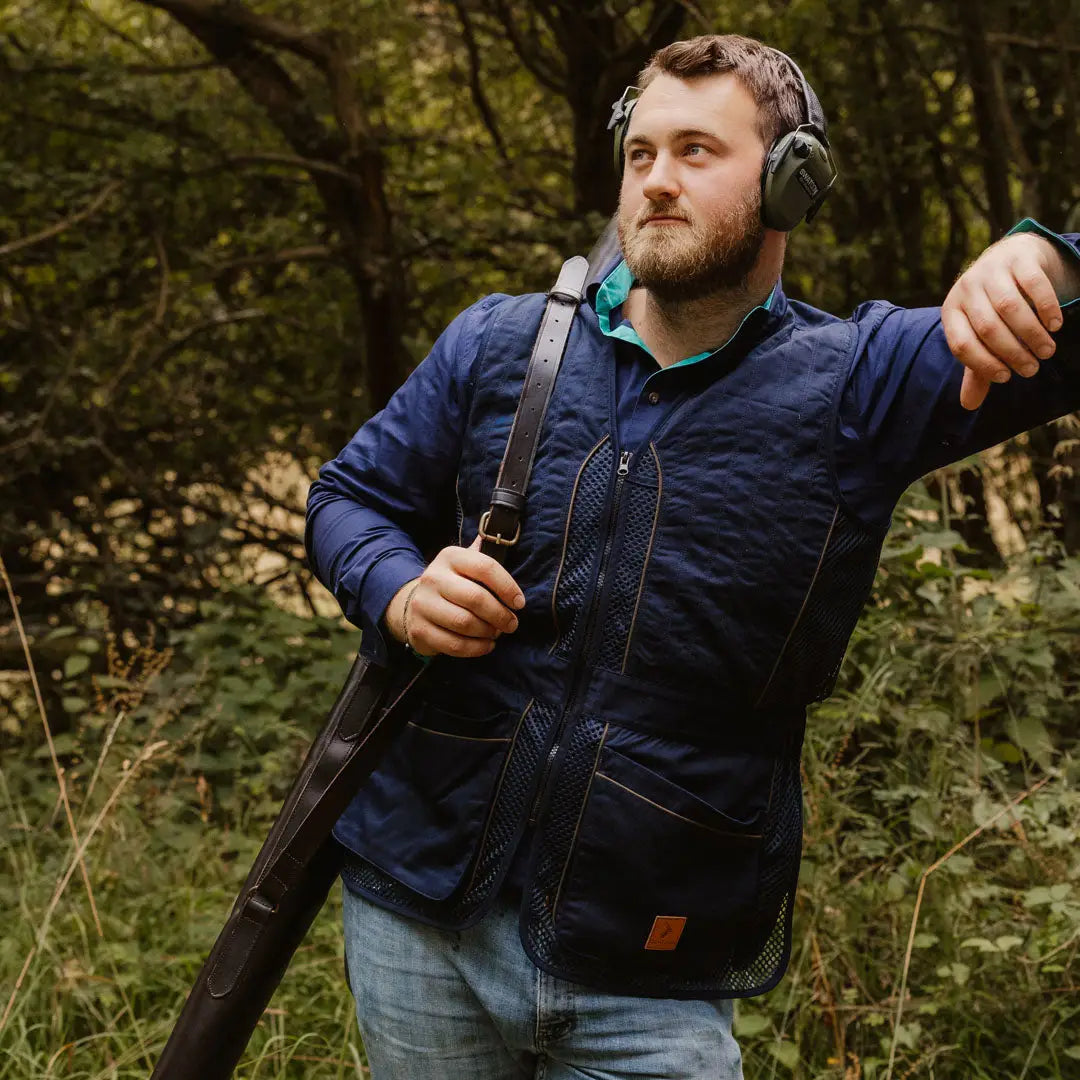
(624, 463)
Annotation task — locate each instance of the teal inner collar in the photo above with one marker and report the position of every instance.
(612, 295)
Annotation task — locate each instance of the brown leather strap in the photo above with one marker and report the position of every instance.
(500, 526)
(297, 863)
(360, 724)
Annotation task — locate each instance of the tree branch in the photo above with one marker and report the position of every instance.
(694, 9)
(310, 253)
(1019, 40)
(355, 200)
(483, 106)
(92, 208)
(993, 37)
(310, 165)
(315, 47)
(666, 21)
(530, 54)
(127, 69)
(225, 319)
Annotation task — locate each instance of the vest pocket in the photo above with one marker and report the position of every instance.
(421, 813)
(657, 876)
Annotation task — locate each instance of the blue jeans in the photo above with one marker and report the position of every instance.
(442, 1005)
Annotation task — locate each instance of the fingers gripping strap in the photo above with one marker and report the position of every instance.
(500, 526)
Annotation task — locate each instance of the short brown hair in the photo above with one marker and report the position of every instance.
(763, 71)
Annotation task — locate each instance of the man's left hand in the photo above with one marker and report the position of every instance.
(999, 314)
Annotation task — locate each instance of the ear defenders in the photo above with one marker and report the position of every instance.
(799, 169)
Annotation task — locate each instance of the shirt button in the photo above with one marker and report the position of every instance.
(654, 398)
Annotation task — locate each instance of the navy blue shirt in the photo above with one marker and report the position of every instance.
(378, 505)
(641, 385)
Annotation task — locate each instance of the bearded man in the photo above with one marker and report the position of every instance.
(586, 842)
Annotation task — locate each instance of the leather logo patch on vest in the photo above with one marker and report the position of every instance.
(666, 931)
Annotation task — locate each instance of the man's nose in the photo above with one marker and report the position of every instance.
(661, 181)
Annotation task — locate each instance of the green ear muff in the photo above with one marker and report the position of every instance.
(798, 173)
(799, 168)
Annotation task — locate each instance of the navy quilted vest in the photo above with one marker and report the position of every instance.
(641, 730)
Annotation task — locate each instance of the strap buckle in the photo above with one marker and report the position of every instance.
(257, 907)
(498, 537)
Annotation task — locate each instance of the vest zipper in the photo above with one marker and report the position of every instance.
(590, 626)
(620, 477)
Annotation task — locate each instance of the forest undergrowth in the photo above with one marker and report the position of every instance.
(937, 928)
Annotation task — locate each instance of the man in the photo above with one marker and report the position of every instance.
(586, 842)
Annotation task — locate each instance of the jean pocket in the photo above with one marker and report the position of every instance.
(656, 874)
(421, 813)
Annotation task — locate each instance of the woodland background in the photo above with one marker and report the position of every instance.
(228, 229)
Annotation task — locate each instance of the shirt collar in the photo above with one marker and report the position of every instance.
(609, 292)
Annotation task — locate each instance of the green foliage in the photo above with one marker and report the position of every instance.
(958, 694)
(192, 285)
(185, 291)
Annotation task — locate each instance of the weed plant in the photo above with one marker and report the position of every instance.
(958, 696)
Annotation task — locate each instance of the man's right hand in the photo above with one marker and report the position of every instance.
(458, 606)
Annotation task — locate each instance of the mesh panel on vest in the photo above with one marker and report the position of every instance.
(511, 804)
(459, 511)
(640, 507)
(557, 837)
(811, 659)
(516, 789)
(779, 877)
(587, 517)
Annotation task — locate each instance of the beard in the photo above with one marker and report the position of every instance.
(688, 262)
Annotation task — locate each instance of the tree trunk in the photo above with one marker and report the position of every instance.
(598, 55)
(973, 526)
(353, 191)
(994, 148)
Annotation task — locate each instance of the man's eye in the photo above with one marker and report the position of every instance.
(696, 150)
(639, 155)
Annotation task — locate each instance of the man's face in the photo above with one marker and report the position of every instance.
(690, 202)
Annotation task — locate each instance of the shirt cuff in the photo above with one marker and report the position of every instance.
(1068, 250)
(380, 585)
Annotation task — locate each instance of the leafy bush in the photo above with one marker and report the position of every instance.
(958, 694)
